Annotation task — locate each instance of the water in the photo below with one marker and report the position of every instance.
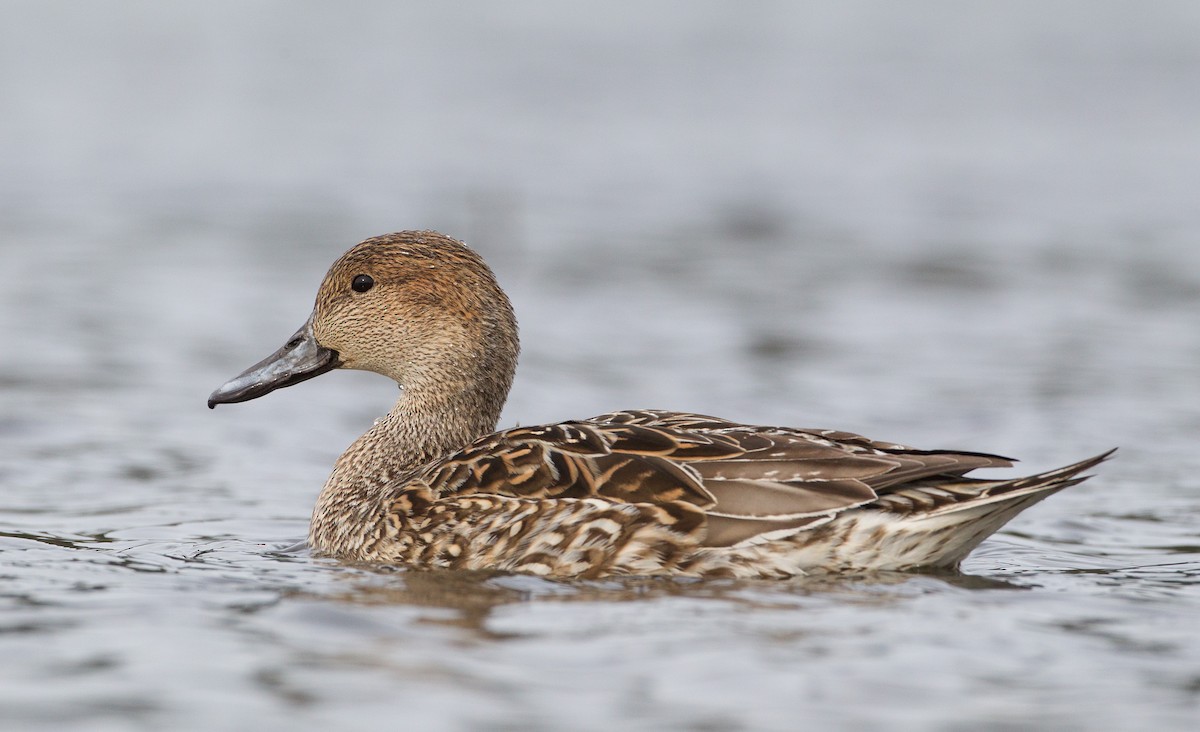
(941, 225)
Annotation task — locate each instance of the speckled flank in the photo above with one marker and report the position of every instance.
(633, 492)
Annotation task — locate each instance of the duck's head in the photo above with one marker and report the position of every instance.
(416, 306)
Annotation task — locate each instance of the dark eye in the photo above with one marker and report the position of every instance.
(362, 283)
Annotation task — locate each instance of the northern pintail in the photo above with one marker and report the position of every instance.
(433, 485)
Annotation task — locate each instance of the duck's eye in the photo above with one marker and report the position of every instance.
(362, 283)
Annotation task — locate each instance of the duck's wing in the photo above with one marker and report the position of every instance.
(752, 482)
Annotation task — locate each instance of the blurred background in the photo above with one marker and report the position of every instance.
(752, 208)
(948, 224)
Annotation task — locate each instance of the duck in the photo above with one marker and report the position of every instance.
(434, 485)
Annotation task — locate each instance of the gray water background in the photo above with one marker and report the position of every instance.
(952, 225)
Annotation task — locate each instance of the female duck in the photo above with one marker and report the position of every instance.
(431, 485)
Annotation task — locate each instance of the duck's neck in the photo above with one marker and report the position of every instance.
(422, 427)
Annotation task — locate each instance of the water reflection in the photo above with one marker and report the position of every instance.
(473, 597)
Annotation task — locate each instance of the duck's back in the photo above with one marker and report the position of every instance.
(654, 492)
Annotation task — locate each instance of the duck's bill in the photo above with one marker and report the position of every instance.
(300, 359)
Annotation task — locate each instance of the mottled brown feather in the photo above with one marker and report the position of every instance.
(750, 480)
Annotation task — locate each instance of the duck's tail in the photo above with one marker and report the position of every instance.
(936, 523)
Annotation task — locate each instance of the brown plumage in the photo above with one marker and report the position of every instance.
(633, 492)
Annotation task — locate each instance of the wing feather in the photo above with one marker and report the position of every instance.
(752, 483)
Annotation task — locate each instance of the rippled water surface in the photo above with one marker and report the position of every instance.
(950, 227)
